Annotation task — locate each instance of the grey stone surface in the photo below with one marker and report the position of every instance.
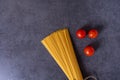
(24, 23)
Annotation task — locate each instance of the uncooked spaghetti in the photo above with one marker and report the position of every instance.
(60, 47)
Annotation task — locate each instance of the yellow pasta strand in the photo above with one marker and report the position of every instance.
(60, 48)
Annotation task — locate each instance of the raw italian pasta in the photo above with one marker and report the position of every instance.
(60, 48)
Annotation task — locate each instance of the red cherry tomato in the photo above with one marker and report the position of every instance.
(89, 51)
(93, 33)
(81, 33)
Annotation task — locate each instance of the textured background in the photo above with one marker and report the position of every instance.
(24, 23)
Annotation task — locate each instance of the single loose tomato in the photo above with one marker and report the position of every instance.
(89, 51)
(93, 33)
(81, 33)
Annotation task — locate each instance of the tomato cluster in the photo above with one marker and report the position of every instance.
(93, 33)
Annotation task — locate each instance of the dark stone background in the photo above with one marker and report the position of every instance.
(24, 23)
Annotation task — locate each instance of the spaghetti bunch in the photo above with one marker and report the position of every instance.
(60, 48)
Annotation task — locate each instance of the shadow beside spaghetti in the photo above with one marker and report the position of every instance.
(80, 62)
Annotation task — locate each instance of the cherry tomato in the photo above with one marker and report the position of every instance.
(89, 51)
(81, 33)
(93, 33)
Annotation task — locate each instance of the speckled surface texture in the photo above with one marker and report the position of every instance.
(24, 23)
